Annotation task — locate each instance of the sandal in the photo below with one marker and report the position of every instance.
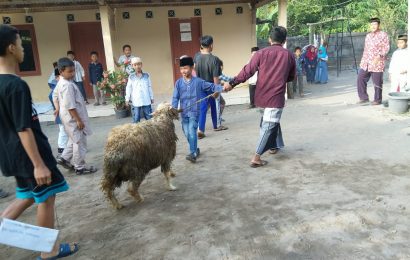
(201, 135)
(86, 170)
(256, 165)
(273, 151)
(65, 250)
(221, 128)
(63, 162)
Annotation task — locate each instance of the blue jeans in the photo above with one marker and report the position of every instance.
(136, 113)
(189, 126)
(204, 110)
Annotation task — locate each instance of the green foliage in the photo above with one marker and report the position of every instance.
(393, 14)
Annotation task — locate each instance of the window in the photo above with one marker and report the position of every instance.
(31, 63)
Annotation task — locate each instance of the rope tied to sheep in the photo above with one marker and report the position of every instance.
(198, 101)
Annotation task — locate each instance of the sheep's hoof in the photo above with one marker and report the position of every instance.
(139, 199)
(118, 206)
(172, 187)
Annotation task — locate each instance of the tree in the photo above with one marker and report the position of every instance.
(393, 14)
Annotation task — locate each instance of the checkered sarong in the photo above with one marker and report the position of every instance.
(270, 136)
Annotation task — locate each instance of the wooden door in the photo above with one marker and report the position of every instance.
(86, 37)
(185, 35)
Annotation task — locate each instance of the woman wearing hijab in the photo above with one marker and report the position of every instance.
(321, 69)
(310, 64)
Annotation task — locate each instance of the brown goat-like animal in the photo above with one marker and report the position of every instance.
(133, 150)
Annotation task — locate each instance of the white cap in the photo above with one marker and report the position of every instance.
(136, 60)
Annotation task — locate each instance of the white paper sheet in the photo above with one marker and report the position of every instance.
(18, 234)
(186, 37)
(184, 27)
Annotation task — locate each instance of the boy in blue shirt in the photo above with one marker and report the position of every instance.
(95, 70)
(187, 92)
(297, 83)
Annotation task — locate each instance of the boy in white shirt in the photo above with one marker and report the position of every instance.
(398, 66)
(139, 91)
(70, 105)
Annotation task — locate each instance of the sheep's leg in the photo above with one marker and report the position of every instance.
(111, 197)
(133, 190)
(108, 187)
(166, 170)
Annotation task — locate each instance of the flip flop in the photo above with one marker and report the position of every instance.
(221, 128)
(273, 151)
(256, 165)
(65, 250)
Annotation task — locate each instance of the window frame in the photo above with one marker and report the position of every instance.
(37, 71)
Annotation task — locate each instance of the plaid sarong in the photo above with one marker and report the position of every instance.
(270, 136)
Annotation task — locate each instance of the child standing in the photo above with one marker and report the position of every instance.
(37, 176)
(252, 82)
(398, 66)
(52, 81)
(297, 83)
(321, 76)
(71, 107)
(79, 76)
(62, 135)
(125, 59)
(139, 90)
(223, 78)
(310, 63)
(187, 92)
(95, 70)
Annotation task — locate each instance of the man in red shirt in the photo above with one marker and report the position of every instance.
(275, 66)
(376, 48)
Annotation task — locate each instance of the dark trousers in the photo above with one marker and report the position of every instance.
(363, 78)
(80, 86)
(252, 94)
(297, 83)
(289, 90)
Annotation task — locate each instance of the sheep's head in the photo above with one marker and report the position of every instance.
(165, 109)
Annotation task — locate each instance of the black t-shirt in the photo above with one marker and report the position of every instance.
(207, 66)
(16, 115)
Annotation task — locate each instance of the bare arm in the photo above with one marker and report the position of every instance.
(41, 173)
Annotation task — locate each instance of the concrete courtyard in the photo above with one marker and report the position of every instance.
(339, 190)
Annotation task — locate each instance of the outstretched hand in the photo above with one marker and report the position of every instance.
(227, 87)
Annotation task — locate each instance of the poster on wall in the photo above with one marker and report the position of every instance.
(186, 37)
(185, 27)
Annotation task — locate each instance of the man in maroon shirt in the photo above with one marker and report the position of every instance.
(275, 66)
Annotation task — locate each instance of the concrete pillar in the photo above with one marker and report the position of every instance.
(283, 13)
(254, 40)
(408, 34)
(107, 23)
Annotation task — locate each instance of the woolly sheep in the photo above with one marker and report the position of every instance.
(133, 150)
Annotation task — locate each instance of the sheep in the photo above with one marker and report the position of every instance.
(133, 150)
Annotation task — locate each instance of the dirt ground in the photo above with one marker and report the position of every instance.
(339, 190)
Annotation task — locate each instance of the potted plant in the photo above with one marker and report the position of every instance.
(114, 83)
